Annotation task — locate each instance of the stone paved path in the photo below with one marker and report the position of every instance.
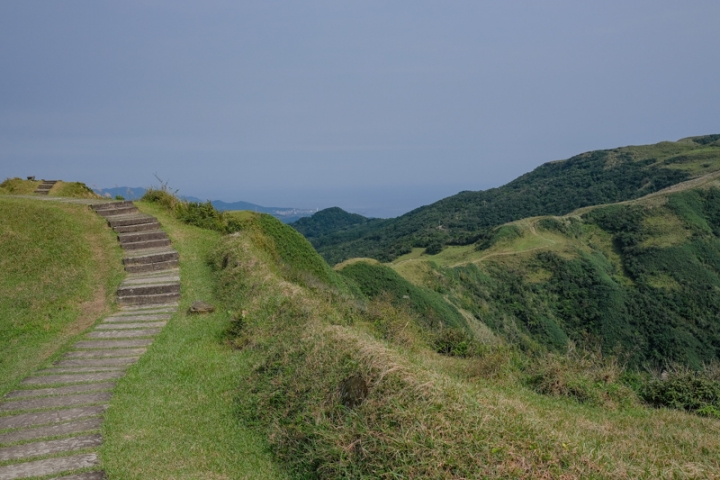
(50, 425)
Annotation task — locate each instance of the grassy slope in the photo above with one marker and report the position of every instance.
(425, 416)
(172, 416)
(646, 277)
(555, 188)
(59, 269)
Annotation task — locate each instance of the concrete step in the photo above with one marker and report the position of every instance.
(78, 426)
(146, 332)
(111, 353)
(140, 227)
(144, 300)
(163, 242)
(54, 416)
(49, 447)
(69, 390)
(138, 318)
(50, 466)
(152, 289)
(104, 206)
(150, 256)
(97, 362)
(41, 192)
(116, 211)
(72, 378)
(135, 237)
(150, 267)
(148, 310)
(128, 220)
(151, 278)
(56, 402)
(104, 344)
(129, 326)
(58, 370)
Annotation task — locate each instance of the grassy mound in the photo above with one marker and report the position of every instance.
(376, 280)
(18, 186)
(59, 268)
(338, 401)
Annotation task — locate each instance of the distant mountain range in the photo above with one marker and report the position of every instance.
(285, 214)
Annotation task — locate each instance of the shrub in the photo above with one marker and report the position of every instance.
(584, 375)
(685, 389)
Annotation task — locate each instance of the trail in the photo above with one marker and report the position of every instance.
(68, 398)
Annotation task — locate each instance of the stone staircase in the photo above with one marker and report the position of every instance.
(45, 186)
(50, 425)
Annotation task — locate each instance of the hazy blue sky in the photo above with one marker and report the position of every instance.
(374, 106)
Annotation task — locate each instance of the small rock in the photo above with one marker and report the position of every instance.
(201, 307)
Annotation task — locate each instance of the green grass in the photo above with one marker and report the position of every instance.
(18, 186)
(173, 415)
(427, 415)
(59, 269)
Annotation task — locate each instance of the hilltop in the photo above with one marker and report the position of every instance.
(554, 188)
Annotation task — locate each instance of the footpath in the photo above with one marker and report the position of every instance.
(50, 425)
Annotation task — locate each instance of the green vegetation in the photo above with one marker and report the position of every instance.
(417, 414)
(174, 414)
(18, 186)
(59, 269)
(685, 389)
(72, 189)
(555, 188)
(329, 220)
(376, 281)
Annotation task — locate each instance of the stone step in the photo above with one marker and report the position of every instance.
(126, 238)
(78, 426)
(153, 289)
(57, 370)
(122, 210)
(147, 332)
(145, 300)
(149, 257)
(161, 242)
(97, 362)
(42, 192)
(112, 353)
(71, 389)
(49, 447)
(137, 318)
(154, 278)
(140, 227)
(55, 402)
(54, 416)
(145, 310)
(128, 220)
(70, 378)
(129, 326)
(103, 344)
(50, 466)
(103, 206)
(150, 267)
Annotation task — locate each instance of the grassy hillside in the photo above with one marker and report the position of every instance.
(346, 389)
(59, 269)
(18, 186)
(330, 220)
(640, 278)
(555, 188)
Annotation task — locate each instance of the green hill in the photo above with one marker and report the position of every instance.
(640, 277)
(555, 188)
(330, 220)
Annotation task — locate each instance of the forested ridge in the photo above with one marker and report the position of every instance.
(554, 188)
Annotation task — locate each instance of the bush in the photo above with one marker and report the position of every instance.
(684, 389)
(585, 375)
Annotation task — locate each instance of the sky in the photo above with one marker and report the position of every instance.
(378, 107)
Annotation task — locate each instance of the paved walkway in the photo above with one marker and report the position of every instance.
(50, 425)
